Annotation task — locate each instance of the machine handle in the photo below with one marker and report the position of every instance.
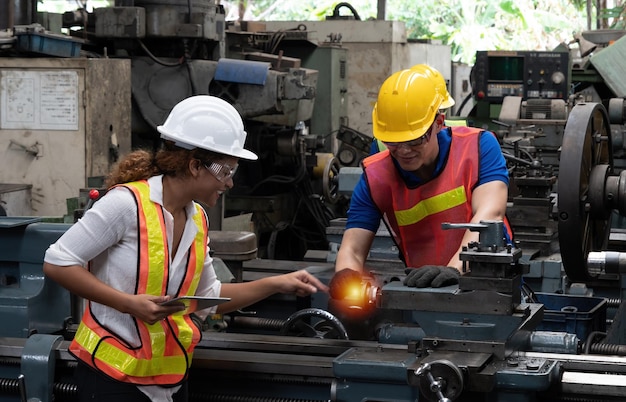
(439, 381)
(93, 196)
(436, 385)
(21, 384)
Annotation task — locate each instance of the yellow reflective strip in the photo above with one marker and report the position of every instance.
(86, 337)
(125, 362)
(129, 365)
(430, 206)
(200, 247)
(157, 339)
(185, 332)
(156, 240)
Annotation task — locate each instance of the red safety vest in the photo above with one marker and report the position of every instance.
(414, 215)
(166, 347)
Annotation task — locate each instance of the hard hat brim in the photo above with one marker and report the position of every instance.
(448, 103)
(398, 136)
(186, 144)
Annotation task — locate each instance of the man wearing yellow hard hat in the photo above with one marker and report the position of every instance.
(428, 174)
(448, 101)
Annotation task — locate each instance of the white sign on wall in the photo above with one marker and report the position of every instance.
(39, 100)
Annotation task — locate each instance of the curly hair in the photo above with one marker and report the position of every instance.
(169, 160)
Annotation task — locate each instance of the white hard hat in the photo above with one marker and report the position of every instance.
(207, 122)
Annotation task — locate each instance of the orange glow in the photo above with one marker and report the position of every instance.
(354, 292)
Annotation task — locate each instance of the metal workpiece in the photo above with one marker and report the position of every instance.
(553, 342)
(611, 262)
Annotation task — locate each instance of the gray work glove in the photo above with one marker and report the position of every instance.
(434, 276)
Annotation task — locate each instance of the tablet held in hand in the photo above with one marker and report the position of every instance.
(195, 303)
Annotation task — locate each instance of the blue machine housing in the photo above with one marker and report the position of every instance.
(29, 302)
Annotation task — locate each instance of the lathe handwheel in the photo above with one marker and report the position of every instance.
(440, 379)
(314, 323)
(586, 145)
(330, 178)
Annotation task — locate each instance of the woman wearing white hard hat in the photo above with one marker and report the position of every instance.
(146, 242)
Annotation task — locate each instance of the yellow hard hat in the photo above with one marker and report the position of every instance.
(440, 82)
(407, 104)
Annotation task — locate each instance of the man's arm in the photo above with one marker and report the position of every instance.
(488, 204)
(354, 249)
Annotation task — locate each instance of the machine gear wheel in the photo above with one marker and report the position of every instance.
(314, 323)
(586, 159)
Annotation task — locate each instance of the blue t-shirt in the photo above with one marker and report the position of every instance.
(364, 214)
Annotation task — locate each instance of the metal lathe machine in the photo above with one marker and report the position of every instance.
(540, 321)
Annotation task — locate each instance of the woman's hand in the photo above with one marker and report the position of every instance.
(243, 294)
(148, 308)
(301, 283)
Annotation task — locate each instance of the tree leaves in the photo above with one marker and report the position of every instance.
(467, 26)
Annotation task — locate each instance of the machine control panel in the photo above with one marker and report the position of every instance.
(529, 74)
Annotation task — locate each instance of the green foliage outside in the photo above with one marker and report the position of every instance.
(467, 26)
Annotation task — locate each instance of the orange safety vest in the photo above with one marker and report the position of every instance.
(166, 347)
(414, 215)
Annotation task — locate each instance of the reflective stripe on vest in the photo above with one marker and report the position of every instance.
(438, 203)
(414, 215)
(166, 347)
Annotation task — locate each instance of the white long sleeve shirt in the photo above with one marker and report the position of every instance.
(106, 236)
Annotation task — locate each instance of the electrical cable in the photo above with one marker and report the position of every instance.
(156, 59)
(460, 108)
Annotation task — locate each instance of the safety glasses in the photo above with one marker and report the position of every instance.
(222, 172)
(411, 144)
(418, 142)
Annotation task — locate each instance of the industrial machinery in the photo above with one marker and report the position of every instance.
(535, 102)
(480, 340)
(149, 56)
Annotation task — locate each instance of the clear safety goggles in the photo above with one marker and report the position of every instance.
(222, 172)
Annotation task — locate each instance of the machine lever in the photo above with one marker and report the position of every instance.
(93, 197)
(436, 384)
(21, 384)
(490, 233)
